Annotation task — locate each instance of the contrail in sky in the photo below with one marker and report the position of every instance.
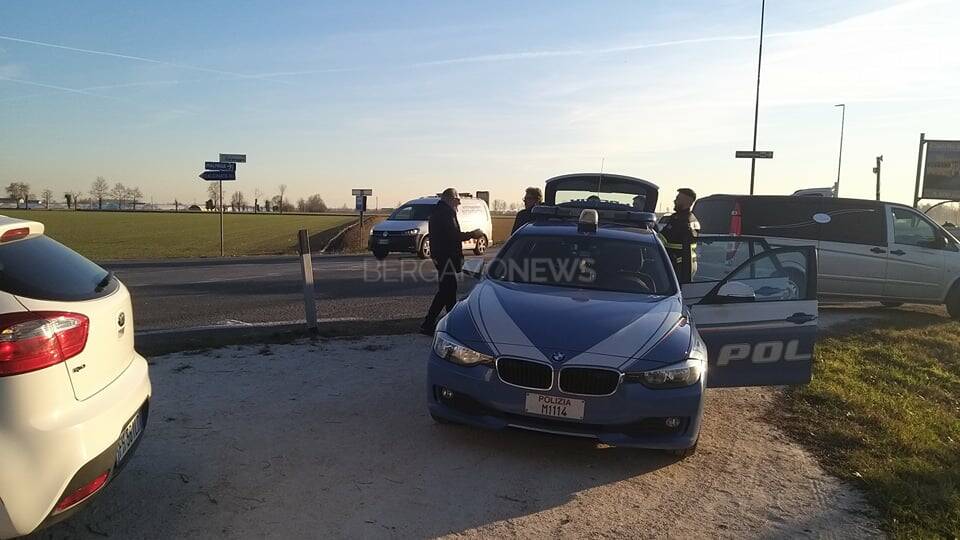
(130, 57)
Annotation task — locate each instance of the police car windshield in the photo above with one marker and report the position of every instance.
(412, 212)
(584, 262)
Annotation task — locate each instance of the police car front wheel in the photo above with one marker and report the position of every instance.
(683, 452)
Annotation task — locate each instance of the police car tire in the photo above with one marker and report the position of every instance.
(380, 254)
(440, 420)
(683, 452)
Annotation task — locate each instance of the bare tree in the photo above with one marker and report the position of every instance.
(134, 195)
(213, 191)
(257, 195)
(98, 190)
(46, 195)
(282, 188)
(69, 198)
(237, 202)
(314, 203)
(119, 193)
(19, 190)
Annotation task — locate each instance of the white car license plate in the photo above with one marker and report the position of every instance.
(128, 436)
(555, 406)
(383, 241)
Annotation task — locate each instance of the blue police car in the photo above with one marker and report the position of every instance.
(579, 326)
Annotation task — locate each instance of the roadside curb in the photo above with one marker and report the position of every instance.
(217, 261)
(159, 342)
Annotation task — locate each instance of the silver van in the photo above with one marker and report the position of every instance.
(867, 250)
(408, 227)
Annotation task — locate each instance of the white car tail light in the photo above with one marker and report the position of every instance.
(33, 340)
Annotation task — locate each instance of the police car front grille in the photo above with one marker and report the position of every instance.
(589, 381)
(524, 373)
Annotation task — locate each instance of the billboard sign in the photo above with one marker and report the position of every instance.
(941, 171)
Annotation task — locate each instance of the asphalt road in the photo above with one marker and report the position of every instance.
(196, 293)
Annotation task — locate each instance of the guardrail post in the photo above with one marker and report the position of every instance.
(306, 266)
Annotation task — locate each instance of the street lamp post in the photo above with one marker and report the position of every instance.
(756, 105)
(843, 117)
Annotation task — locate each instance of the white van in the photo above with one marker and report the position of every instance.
(867, 250)
(408, 227)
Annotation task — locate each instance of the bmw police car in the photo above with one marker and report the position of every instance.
(580, 327)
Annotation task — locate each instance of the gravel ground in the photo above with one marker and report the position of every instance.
(332, 439)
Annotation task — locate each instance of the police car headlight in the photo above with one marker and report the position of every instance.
(412, 232)
(449, 349)
(679, 375)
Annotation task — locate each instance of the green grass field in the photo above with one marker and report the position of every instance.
(883, 413)
(149, 235)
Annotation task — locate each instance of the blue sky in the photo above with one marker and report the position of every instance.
(410, 97)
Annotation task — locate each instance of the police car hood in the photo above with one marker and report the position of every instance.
(563, 325)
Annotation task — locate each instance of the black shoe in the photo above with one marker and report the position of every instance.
(426, 330)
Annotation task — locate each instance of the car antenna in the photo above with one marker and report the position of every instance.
(600, 180)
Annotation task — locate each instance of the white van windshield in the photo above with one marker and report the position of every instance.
(412, 212)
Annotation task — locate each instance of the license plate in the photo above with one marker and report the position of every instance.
(128, 436)
(383, 241)
(555, 406)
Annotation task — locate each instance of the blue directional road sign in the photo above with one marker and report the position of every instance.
(218, 175)
(219, 166)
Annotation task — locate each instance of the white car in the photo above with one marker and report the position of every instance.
(74, 393)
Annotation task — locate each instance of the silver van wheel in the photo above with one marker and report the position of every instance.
(481, 246)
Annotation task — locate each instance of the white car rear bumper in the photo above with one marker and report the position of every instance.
(47, 436)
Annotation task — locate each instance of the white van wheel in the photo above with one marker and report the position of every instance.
(481, 246)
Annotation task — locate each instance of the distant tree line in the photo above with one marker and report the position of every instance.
(126, 197)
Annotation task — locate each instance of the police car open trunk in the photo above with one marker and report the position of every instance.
(601, 191)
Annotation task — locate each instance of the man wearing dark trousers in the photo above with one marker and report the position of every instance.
(446, 250)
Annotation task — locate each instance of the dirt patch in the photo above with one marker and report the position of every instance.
(311, 442)
(352, 238)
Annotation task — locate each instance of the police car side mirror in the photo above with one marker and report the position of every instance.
(473, 267)
(735, 291)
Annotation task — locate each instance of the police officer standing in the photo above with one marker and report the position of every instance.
(679, 233)
(446, 250)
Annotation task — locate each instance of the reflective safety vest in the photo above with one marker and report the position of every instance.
(679, 235)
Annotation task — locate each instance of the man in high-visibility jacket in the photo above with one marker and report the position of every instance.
(679, 235)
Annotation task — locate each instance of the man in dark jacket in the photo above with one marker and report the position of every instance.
(531, 198)
(446, 250)
(679, 234)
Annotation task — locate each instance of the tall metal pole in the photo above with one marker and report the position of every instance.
(916, 188)
(221, 218)
(756, 106)
(843, 117)
(877, 170)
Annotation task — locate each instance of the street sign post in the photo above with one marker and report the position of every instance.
(219, 166)
(220, 171)
(758, 154)
(361, 206)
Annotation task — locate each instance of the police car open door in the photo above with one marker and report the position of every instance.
(755, 306)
